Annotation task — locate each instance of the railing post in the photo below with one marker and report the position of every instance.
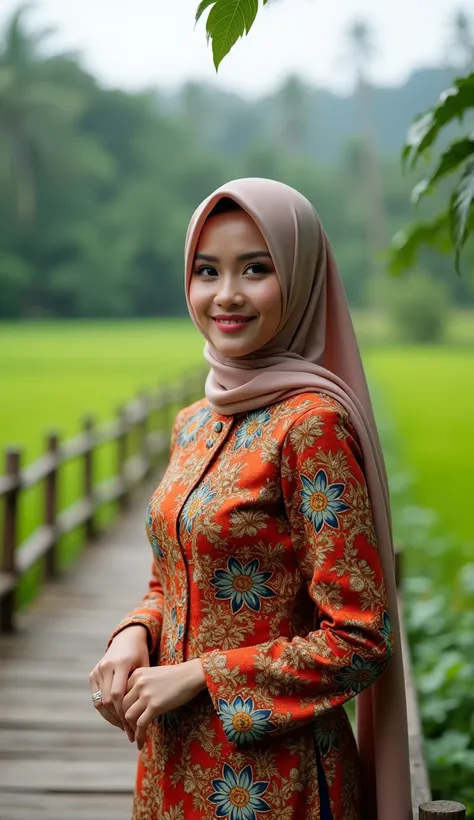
(51, 505)
(144, 426)
(442, 810)
(122, 447)
(10, 535)
(88, 428)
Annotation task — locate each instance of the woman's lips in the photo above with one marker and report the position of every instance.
(232, 325)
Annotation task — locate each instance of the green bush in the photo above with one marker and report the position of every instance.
(418, 309)
(439, 618)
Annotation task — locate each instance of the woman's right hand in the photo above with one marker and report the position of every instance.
(127, 652)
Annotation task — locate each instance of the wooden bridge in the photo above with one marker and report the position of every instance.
(59, 760)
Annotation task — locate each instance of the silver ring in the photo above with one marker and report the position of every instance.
(96, 696)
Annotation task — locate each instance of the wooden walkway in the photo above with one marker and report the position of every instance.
(58, 759)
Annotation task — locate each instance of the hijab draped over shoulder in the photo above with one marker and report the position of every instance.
(315, 350)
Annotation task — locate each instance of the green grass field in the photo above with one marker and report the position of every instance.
(52, 374)
(430, 394)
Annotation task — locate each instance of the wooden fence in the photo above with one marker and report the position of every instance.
(141, 437)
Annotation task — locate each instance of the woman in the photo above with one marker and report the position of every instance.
(272, 600)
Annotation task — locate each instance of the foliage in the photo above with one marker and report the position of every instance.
(94, 208)
(439, 616)
(453, 226)
(228, 20)
(418, 309)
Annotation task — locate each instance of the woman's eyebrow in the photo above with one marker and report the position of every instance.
(243, 257)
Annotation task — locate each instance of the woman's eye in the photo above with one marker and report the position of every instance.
(206, 270)
(257, 267)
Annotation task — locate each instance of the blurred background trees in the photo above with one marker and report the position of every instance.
(97, 185)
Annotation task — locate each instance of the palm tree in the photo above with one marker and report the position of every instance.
(292, 100)
(361, 51)
(463, 39)
(31, 106)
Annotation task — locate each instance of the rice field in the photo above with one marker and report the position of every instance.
(53, 374)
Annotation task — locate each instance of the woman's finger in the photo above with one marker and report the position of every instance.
(109, 717)
(133, 713)
(143, 723)
(130, 698)
(117, 692)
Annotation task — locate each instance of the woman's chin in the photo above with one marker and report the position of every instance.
(232, 348)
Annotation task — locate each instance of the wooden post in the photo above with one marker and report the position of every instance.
(122, 446)
(88, 428)
(442, 810)
(144, 426)
(51, 504)
(10, 535)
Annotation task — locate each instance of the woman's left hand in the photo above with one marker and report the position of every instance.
(152, 691)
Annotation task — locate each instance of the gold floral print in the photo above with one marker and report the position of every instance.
(266, 567)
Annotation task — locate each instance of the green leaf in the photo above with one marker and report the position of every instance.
(406, 243)
(451, 105)
(460, 210)
(457, 153)
(203, 5)
(228, 20)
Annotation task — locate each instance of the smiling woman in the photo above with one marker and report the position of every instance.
(272, 597)
(234, 292)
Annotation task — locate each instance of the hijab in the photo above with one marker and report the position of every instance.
(315, 350)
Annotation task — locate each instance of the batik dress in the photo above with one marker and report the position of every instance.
(266, 567)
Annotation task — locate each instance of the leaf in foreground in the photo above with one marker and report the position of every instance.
(460, 210)
(228, 20)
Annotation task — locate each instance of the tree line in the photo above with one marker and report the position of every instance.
(97, 186)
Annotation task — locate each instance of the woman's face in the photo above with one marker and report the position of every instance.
(234, 290)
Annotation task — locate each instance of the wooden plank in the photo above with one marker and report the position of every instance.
(7, 582)
(38, 470)
(24, 806)
(59, 760)
(34, 548)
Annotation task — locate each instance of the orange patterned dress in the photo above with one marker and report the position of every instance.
(266, 567)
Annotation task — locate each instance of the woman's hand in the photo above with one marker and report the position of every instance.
(127, 652)
(152, 692)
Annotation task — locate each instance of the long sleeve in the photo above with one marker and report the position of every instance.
(283, 684)
(149, 612)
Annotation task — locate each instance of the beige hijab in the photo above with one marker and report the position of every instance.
(315, 350)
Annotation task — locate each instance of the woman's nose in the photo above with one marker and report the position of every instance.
(228, 293)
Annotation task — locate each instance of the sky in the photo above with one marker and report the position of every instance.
(141, 43)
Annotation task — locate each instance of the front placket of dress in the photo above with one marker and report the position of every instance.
(211, 438)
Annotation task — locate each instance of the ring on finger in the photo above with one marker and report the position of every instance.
(96, 696)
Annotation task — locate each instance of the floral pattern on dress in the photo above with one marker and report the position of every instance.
(190, 429)
(359, 674)
(156, 547)
(251, 429)
(196, 501)
(237, 795)
(281, 598)
(242, 584)
(242, 723)
(320, 501)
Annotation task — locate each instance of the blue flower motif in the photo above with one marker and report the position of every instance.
(359, 674)
(242, 722)
(190, 429)
(196, 501)
(242, 584)
(158, 552)
(386, 633)
(251, 428)
(328, 728)
(320, 501)
(237, 795)
(175, 633)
